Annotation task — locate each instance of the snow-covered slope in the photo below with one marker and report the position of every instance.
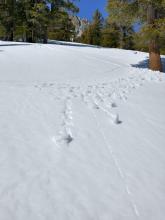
(81, 134)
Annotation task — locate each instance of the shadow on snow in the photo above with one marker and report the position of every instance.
(144, 64)
(7, 45)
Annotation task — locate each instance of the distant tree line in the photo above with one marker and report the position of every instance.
(36, 20)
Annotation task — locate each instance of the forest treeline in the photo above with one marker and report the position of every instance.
(119, 31)
(36, 20)
(40, 20)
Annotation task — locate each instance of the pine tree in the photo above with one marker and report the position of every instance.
(36, 21)
(60, 24)
(87, 35)
(151, 14)
(62, 28)
(110, 35)
(33, 20)
(121, 19)
(8, 18)
(93, 34)
(97, 25)
(115, 36)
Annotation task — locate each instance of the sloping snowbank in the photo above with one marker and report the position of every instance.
(68, 43)
(81, 134)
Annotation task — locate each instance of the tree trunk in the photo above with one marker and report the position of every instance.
(45, 38)
(154, 56)
(11, 36)
(154, 52)
(30, 36)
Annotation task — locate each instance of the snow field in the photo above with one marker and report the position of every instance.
(81, 135)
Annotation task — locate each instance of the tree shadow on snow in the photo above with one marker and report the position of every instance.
(144, 64)
(9, 45)
(71, 44)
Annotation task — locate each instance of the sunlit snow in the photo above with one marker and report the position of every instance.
(82, 134)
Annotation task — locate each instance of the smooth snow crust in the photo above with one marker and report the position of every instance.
(81, 134)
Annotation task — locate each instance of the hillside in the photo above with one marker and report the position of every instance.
(81, 134)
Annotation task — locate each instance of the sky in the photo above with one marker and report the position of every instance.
(87, 7)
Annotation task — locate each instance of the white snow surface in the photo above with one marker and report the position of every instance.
(82, 134)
